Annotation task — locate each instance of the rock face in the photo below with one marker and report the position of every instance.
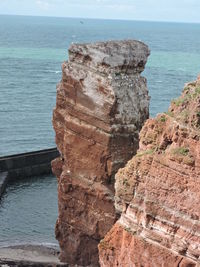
(158, 192)
(102, 103)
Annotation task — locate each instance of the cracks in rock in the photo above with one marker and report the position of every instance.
(180, 262)
(137, 181)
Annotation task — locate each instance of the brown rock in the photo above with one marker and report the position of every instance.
(102, 103)
(121, 247)
(158, 192)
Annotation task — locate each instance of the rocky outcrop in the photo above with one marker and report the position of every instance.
(102, 103)
(30, 256)
(158, 192)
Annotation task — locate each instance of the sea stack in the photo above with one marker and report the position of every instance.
(102, 103)
(158, 192)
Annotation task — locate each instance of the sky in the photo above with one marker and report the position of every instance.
(150, 10)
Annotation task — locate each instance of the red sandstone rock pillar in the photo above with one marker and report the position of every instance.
(102, 103)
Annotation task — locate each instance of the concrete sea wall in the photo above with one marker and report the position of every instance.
(25, 165)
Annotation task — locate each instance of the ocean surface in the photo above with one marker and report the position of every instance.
(28, 212)
(33, 48)
(31, 52)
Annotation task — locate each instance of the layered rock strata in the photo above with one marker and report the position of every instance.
(102, 103)
(158, 192)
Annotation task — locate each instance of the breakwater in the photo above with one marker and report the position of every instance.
(25, 165)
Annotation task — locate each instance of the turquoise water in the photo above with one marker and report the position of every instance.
(33, 48)
(31, 52)
(28, 211)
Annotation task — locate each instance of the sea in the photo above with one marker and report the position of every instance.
(32, 50)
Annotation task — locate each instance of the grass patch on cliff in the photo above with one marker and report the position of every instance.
(183, 151)
(189, 96)
(169, 113)
(183, 155)
(179, 101)
(146, 152)
(163, 118)
(187, 88)
(196, 93)
(184, 115)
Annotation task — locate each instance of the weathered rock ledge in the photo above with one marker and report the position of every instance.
(158, 192)
(102, 103)
(30, 256)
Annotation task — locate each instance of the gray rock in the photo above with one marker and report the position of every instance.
(129, 56)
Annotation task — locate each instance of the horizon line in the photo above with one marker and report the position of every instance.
(112, 19)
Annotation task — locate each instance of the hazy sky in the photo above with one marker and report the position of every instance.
(157, 10)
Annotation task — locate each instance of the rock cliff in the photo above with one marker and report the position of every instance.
(102, 103)
(158, 192)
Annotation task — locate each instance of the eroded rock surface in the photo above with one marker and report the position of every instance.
(30, 256)
(102, 103)
(158, 192)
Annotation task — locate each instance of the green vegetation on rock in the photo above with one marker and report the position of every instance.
(181, 151)
(146, 152)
